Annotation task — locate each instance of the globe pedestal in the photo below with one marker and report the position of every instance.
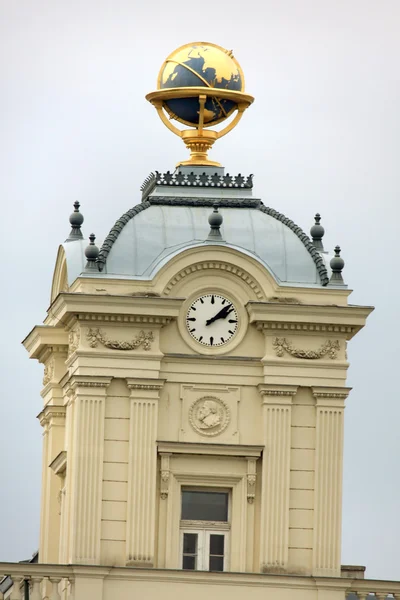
(199, 143)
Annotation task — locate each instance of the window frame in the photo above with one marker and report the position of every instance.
(204, 529)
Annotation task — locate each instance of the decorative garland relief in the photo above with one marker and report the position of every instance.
(330, 348)
(144, 339)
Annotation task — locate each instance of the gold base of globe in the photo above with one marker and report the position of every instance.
(199, 143)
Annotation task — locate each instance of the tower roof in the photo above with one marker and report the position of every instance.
(169, 220)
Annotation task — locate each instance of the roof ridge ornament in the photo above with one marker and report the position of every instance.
(337, 264)
(76, 220)
(317, 233)
(215, 219)
(200, 85)
(195, 180)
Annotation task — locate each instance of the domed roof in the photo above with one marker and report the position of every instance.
(167, 222)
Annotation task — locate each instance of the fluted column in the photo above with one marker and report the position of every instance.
(328, 480)
(274, 539)
(85, 468)
(141, 510)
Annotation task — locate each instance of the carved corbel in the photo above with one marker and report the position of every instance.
(251, 479)
(165, 476)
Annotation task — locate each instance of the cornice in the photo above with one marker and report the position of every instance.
(114, 308)
(124, 319)
(59, 464)
(165, 447)
(313, 318)
(44, 337)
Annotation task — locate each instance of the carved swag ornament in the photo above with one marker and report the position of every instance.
(330, 348)
(144, 339)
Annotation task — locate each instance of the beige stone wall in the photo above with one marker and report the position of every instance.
(128, 383)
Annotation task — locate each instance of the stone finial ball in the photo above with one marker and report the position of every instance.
(76, 218)
(92, 251)
(317, 231)
(215, 219)
(337, 262)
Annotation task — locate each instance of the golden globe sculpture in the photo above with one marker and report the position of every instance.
(200, 85)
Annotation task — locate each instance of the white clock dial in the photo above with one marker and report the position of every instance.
(212, 320)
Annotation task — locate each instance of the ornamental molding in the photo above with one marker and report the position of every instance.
(209, 416)
(96, 336)
(219, 266)
(48, 371)
(330, 348)
(330, 395)
(92, 384)
(195, 180)
(134, 319)
(49, 414)
(308, 327)
(145, 386)
(74, 339)
(282, 391)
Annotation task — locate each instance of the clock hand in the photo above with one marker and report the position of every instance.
(222, 314)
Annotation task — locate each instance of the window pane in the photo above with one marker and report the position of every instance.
(217, 544)
(189, 562)
(216, 563)
(205, 506)
(190, 543)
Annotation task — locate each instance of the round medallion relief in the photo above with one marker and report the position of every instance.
(209, 415)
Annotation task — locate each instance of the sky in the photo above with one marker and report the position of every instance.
(323, 135)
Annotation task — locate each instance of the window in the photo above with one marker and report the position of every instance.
(204, 530)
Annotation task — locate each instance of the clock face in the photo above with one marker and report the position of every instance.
(212, 320)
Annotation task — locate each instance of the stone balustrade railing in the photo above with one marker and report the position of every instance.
(373, 589)
(28, 581)
(23, 581)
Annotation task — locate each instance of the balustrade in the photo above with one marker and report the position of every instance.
(45, 582)
(57, 582)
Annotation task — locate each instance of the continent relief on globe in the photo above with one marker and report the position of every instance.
(201, 66)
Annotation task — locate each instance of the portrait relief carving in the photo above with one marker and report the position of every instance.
(209, 415)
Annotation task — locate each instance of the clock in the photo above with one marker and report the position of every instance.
(212, 320)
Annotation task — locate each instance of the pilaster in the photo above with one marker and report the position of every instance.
(52, 419)
(85, 471)
(274, 536)
(328, 480)
(142, 468)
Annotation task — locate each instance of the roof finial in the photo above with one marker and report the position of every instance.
(317, 233)
(337, 264)
(91, 253)
(76, 220)
(215, 220)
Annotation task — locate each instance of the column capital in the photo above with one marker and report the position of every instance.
(52, 415)
(149, 387)
(81, 384)
(330, 396)
(273, 393)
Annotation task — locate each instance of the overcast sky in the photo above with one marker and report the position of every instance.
(323, 135)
